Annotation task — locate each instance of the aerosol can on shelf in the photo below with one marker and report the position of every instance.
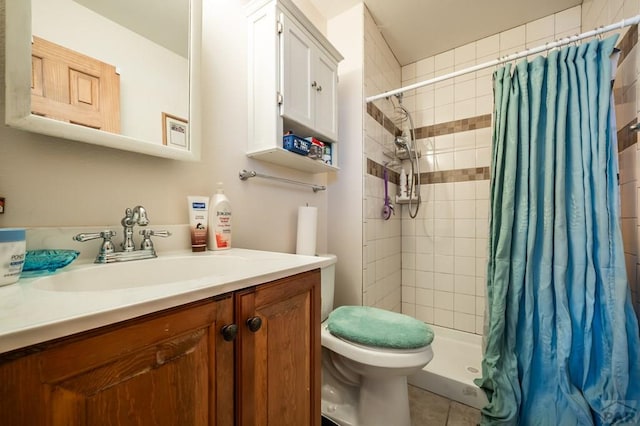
(219, 221)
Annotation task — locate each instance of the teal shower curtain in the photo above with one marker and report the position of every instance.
(562, 339)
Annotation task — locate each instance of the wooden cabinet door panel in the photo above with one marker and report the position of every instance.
(279, 382)
(171, 368)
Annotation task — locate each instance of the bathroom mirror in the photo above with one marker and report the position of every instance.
(120, 73)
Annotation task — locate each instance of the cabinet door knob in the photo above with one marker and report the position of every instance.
(254, 323)
(314, 84)
(319, 88)
(229, 332)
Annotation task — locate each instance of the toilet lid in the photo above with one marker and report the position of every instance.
(377, 327)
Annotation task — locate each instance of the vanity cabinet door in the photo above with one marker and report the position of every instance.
(278, 353)
(172, 368)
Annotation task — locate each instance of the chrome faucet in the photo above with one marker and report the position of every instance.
(137, 216)
(107, 252)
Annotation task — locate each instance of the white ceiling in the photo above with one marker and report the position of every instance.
(416, 29)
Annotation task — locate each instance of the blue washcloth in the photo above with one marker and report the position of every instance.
(376, 327)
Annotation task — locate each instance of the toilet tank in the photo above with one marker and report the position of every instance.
(328, 279)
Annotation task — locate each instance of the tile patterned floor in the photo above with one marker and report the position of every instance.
(429, 409)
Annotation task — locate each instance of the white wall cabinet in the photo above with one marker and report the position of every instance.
(292, 84)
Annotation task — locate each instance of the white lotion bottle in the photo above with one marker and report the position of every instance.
(219, 221)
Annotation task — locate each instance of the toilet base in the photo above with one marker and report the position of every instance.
(384, 402)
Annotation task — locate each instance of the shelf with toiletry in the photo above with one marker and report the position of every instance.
(292, 89)
(406, 200)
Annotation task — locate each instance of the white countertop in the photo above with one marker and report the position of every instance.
(31, 312)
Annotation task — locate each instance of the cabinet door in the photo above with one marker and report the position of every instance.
(279, 363)
(326, 113)
(296, 73)
(168, 369)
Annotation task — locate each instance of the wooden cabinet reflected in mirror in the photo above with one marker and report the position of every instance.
(74, 88)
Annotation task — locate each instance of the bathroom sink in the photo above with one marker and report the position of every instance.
(142, 273)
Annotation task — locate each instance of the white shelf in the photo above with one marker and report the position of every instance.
(292, 160)
(405, 200)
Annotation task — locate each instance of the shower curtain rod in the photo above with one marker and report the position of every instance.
(547, 46)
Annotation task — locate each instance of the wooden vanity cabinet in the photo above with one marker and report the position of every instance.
(176, 368)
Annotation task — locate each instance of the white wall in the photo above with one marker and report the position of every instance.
(345, 224)
(383, 238)
(49, 182)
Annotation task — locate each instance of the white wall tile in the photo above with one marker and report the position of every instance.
(424, 313)
(540, 29)
(568, 19)
(464, 303)
(465, 228)
(465, 109)
(424, 279)
(443, 282)
(488, 46)
(424, 297)
(425, 67)
(444, 60)
(443, 246)
(479, 325)
(464, 284)
(408, 294)
(465, 54)
(464, 159)
(443, 300)
(465, 247)
(512, 39)
(465, 209)
(443, 317)
(443, 264)
(464, 322)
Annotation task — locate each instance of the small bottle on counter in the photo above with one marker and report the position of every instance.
(219, 221)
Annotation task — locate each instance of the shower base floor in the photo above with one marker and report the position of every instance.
(457, 358)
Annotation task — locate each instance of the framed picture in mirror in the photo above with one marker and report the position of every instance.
(175, 131)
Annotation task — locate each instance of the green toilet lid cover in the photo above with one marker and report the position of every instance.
(379, 328)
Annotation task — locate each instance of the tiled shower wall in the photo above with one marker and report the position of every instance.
(594, 14)
(443, 251)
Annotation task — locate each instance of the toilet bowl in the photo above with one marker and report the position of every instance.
(366, 384)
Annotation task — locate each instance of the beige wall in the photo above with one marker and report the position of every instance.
(49, 182)
(345, 223)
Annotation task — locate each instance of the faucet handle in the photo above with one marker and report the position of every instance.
(106, 247)
(147, 234)
(107, 234)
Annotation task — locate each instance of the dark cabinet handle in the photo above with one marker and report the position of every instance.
(254, 323)
(229, 332)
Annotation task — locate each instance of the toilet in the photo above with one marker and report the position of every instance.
(367, 354)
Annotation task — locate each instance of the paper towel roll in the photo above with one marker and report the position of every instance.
(307, 229)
